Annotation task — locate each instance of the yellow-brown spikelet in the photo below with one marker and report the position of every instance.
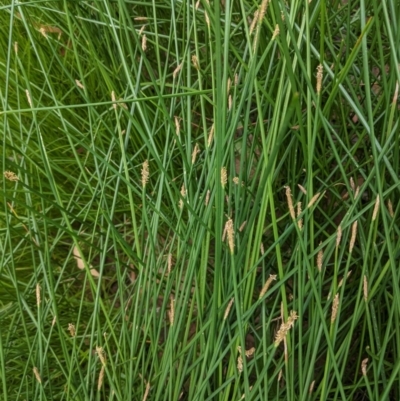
(229, 102)
(71, 329)
(254, 21)
(335, 307)
(183, 193)
(113, 100)
(169, 266)
(28, 97)
(302, 189)
(207, 19)
(338, 235)
(285, 327)
(37, 374)
(140, 18)
(280, 374)
(38, 298)
(352, 185)
(341, 281)
(320, 75)
(228, 308)
(144, 42)
(10, 176)
(177, 126)
(262, 249)
(79, 84)
(194, 154)
(235, 180)
(365, 288)
(145, 173)
(242, 226)
(101, 354)
(364, 365)
(290, 202)
(207, 197)
(313, 199)
(250, 352)
(320, 257)
(146, 391)
(376, 208)
(263, 10)
(299, 221)
(210, 136)
(16, 47)
(196, 7)
(310, 391)
(356, 192)
(271, 278)
(101, 378)
(396, 93)
(176, 71)
(224, 177)
(353, 236)
(171, 312)
(390, 208)
(142, 30)
(53, 322)
(195, 62)
(276, 32)
(230, 235)
(236, 79)
(240, 364)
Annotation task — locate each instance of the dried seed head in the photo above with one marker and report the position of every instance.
(352, 185)
(335, 307)
(299, 221)
(144, 42)
(228, 85)
(71, 329)
(356, 192)
(124, 106)
(207, 19)
(228, 308)
(53, 322)
(169, 268)
(142, 30)
(230, 234)
(176, 71)
(272, 277)
(207, 197)
(101, 378)
(236, 79)
(37, 375)
(313, 199)
(210, 136)
(240, 364)
(396, 94)
(276, 32)
(197, 5)
(101, 354)
(28, 96)
(177, 126)
(365, 288)
(235, 180)
(38, 299)
(280, 374)
(242, 226)
(194, 154)
(285, 327)
(320, 257)
(10, 176)
(250, 352)
(341, 281)
(229, 102)
(171, 312)
(338, 235)
(390, 208)
(263, 9)
(145, 173)
(320, 74)
(16, 47)
(302, 189)
(262, 249)
(290, 202)
(79, 84)
(353, 236)
(376, 208)
(310, 391)
(183, 193)
(195, 62)
(224, 177)
(364, 365)
(140, 18)
(113, 100)
(146, 391)
(254, 21)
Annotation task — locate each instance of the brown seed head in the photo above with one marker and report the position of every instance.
(364, 365)
(271, 278)
(335, 307)
(276, 32)
(338, 235)
(71, 329)
(146, 391)
(177, 126)
(171, 313)
(169, 268)
(353, 236)
(10, 176)
(194, 154)
(210, 136)
(320, 258)
(376, 208)
(285, 327)
(228, 308)
(299, 221)
(38, 299)
(224, 177)
(207, 197)
(145, 173)
(396, 93)
(365, 288)
(113, 100)
(79, 84)
(195, 62)
(313, 199)
(230, 234)
(302, 189)
(101, 378)
(101, 354)
(390, 208)
(242, 226)
(28, 96)
(144, 42)
(310, 391)
(240, 364)
(254, 21)
(176, 71)
(320, 74)
(290, 202)
(37, 375)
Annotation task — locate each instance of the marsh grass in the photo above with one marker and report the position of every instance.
(133, 134)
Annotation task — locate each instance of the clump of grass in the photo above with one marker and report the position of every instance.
(157, 160)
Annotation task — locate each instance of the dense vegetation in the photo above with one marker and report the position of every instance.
(199, 201)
